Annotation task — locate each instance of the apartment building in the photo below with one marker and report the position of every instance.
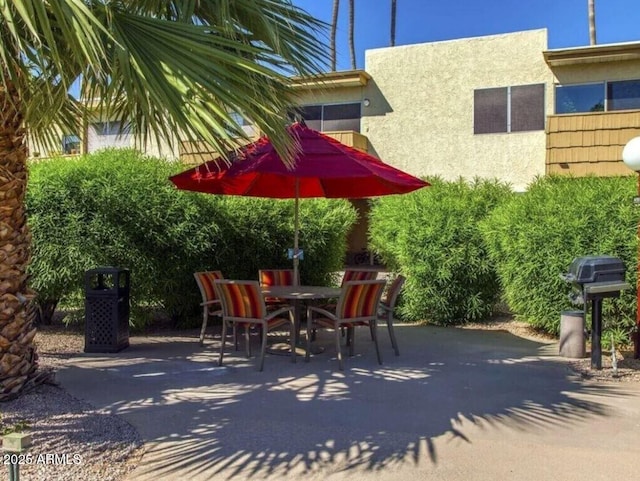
(501, 106)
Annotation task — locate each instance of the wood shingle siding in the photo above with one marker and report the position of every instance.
(590, 144)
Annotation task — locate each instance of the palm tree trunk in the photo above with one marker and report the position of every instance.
(352, 47)
(394, 5)
(334, 28)
(18, 358)
(592, 22)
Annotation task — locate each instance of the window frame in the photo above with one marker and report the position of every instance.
(603, 84)
(322, 112)
(509, 109)
(110, 128)
(605, 95)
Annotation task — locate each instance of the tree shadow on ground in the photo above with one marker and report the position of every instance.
(296, 419)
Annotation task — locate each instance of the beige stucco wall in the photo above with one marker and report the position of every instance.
(166, 149)
(421, 114)
(597, 72)
(330, 95)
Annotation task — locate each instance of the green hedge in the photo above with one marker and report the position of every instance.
(117, 207)
(534, 238)
(432, 237)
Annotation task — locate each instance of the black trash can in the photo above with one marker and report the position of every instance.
(106, 308)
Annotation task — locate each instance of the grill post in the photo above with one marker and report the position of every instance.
(596, 332)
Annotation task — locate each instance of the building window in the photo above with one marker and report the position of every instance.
(110, 128)
(244, 123)
(508, 109)
(527, 108)
(312, 116)
(490, 107)
(623, 95)
(70, 144)
(326, 118)
(579, 98)
(598, 97)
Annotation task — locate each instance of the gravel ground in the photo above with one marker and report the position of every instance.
(88, 444)
(102, 447)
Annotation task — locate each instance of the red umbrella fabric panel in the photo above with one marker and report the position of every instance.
(324, 167)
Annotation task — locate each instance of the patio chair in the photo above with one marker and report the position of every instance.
(359, 275)
(350, 275)
(357, 306)
(275, 277)
(210, 302)
(243, 306)
(387, 306)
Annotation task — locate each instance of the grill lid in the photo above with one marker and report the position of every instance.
(595, 269)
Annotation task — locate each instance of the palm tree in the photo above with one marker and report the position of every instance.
(334, 29)
(394, 5)
(592, 22)
(352, 48)
(163, 66)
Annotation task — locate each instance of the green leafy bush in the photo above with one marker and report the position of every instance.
(432, 237)
(534, 238)
(117, 207)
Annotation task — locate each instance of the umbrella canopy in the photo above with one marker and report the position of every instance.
(323, 167)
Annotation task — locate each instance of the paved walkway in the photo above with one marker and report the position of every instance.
(456, 405)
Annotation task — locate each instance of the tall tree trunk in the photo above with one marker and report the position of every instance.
(592, 22)
(18, 358)
(334, 28)
(352, 47)
(394, 4)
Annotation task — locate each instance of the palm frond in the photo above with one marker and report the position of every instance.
(162, 67)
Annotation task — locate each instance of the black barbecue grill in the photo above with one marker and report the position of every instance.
(595, 278)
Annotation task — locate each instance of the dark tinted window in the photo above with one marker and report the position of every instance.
(111, 128)
(527, 107)
(331, 117)
(579, 98)
(490, 111)
(624, 95)
(341, 117)
(312, 116)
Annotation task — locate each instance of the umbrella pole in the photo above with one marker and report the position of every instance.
(296, 228)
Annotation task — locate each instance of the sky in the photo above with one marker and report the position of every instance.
(420, 21)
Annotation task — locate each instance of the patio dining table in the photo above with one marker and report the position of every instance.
(297, 295)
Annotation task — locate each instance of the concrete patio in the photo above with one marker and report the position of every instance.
(456, 405)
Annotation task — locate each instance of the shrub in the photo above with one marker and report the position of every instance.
(117, 207)
(432, 237)
(534, 238)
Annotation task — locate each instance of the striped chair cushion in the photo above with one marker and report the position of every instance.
(359, 275)
(205, 283)
(359, 300)
(276, 277)
(241, 299)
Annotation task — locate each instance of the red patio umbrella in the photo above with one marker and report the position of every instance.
(323, 167)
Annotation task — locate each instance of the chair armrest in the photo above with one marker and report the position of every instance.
(385, 307)
(280, 311)
(208, 303)
(319, 310)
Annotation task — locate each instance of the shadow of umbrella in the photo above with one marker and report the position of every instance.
(323, 167)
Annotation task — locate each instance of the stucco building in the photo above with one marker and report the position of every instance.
(500, 106)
